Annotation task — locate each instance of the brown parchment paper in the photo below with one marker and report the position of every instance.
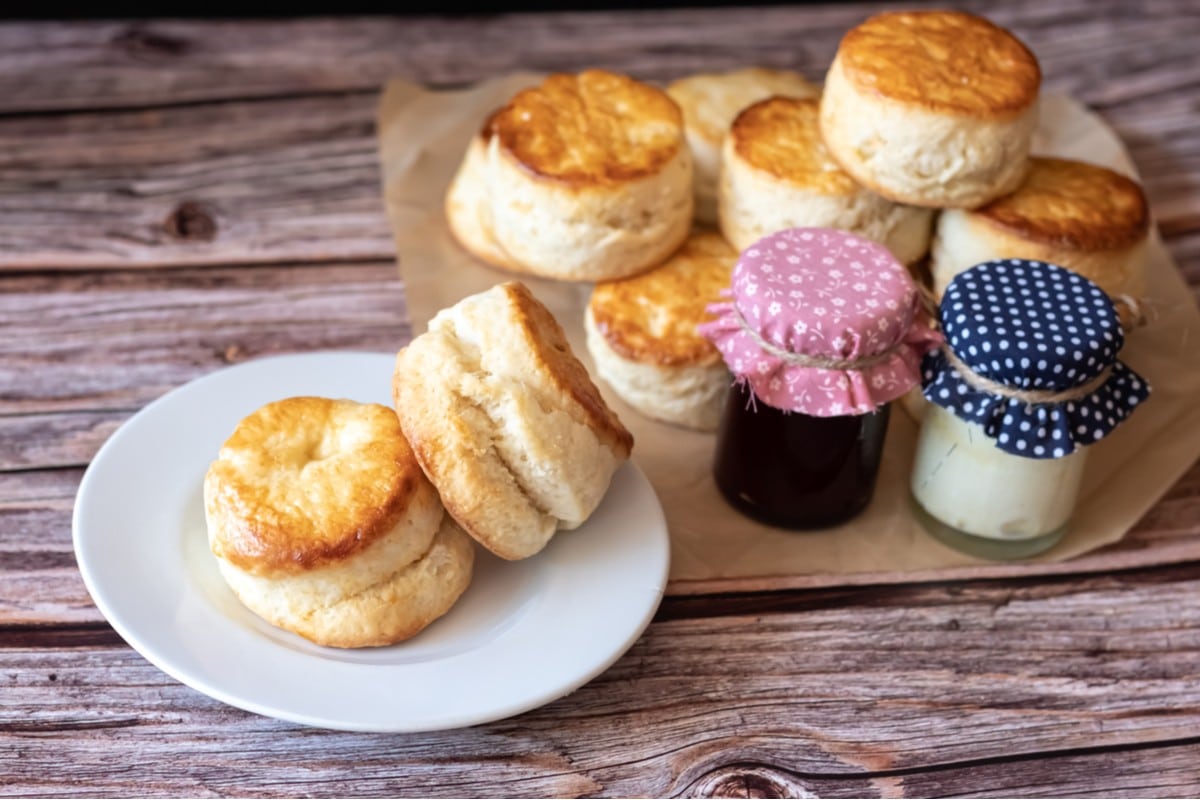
(423, 135)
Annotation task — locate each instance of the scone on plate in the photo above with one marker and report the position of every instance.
(585, 177)
(778, 174)
(641, 333)
(506, 422)
(709, 102)
(932, 108)
(323, 524)
(1084, 217)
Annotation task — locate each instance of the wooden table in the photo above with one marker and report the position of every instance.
(177, 196)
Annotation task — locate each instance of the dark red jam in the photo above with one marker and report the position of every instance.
(795, 471)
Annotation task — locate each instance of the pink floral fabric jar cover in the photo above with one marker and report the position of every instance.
(822, 330)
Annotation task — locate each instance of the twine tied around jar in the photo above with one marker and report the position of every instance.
(1028, 396)
(815, 362)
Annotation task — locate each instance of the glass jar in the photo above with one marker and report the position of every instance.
(794, 470)
(981, 500)
(824, 328)
(1028, 378)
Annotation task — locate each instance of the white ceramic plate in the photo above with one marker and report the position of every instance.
(524, 633)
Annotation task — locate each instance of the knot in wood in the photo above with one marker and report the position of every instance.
(748, 780)
(191, 221)
(147, 45)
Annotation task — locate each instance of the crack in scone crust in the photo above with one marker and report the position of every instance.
(506, 421)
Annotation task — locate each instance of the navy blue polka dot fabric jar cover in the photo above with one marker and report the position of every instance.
(1027, 379)
(1032, 358)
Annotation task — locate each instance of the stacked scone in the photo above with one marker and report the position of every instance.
(778, 174)
(710, 102)
(590, 177)
(919, 139)
(326, 522)
(643, 338)
(323, 524)
(506, 422)
(938, 109)
(1086, 218)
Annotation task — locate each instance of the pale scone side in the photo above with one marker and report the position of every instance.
(911, 155)
(584, 177)
(690, 396)
(496, 408)
(798, 184)
(322, 524)
(710, 102)
(1077, 215)
(934, 108)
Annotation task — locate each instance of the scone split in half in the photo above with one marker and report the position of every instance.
(506, 422)
(323, 524)
(641, 333)
(585, 177)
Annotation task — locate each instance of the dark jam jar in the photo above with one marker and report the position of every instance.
(793, 470)
(823, 329)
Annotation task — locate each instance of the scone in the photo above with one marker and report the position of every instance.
(777, 174)
(323, 524)
(506, 422)
(641, 333)
(585, 177)
(1080, 216)
(709, 102)
(932, 108)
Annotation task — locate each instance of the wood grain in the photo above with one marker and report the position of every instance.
(867, 691)
(179, 195)
(121, 339)
(48, 67)
(281, 181)
(193, 172)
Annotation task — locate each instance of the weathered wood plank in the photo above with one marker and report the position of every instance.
(288, 180)
(991, 671)
(121, 339)
(295, 178)
(1169, 771)
(48, 66)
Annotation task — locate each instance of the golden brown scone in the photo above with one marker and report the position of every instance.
(932, 108)
(641, 333)
(1080, 216)
(323, 524)
(778, 174)
(585, 177)
(710, 102)
(506, 422)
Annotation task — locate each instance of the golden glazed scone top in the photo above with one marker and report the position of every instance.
(710, 101)
(593, 128)
(947, 61)
(309, 481)
(782, 137)
(652, 317)
(1073, 204)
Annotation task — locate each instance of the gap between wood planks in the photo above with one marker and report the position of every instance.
(716, 606)
(200, 102)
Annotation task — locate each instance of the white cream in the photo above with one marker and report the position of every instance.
(964, 480)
